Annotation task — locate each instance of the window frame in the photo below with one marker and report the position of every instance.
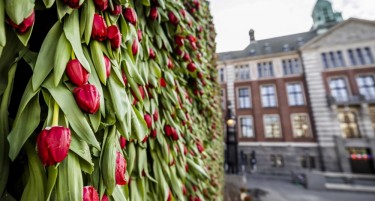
(302, 93)
(240, 117)
(345, 78)
(359, 136)
(224, 98)
(238, 97)
(310, 133)
(275, 95)
(359, 88)
(279, 124)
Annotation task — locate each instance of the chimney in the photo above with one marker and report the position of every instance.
(252, 36)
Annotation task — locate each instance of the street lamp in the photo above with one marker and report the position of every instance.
(231, 141)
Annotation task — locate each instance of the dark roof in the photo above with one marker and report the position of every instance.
(270, 46)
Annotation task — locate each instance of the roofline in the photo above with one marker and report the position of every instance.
(334, 28)
(258, 57)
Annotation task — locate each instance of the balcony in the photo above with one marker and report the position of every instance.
(351, 100)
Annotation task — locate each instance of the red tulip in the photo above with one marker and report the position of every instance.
(120, 169)
(200, 75)
(185, 150)
(135, 47)
(130, 15)
(114, 36)
(25, 25)
(156, 115)
(101, 4)
(162, 82)
(72, 3)
(76, 73)
(124, 78)
(191, 38)
(186, 167)
(53, 144)
(141, 91)
(116, 9)
(191, 67)
(186, 57)
(184, 189)
(196, 4)
(169, 130)
(107, 63)
(154, 13)
(172, 18)
(99, 28)
(105, 198)
(178, 51)
(87, 98)
(148, 120)
(139, 34)
(153, 133)
(169, 63)
(169, 196)
(122, 142)
(183, 12)
(151, 53)
(145, 139)
(179, 40)
(90, 194)
(200, 147)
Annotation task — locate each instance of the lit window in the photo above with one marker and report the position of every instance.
(291, 66)
(277, 161)
(244, 98)
(268, 96)
(339, 89)
(301, 126)
(348, 123)
(295, 94)
(246, 124)
(272, 127)
(366, 85)
(265, 69)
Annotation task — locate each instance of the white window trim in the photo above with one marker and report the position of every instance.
(308, 122)
(303, 93)
(346, 82)
(359, 75)
(239, 126)
(238, 97)
(261, 96)
(264, 126)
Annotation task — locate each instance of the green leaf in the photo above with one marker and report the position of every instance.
(62, 57)
(118, 194)
(139, 125)
(24, 38)
(3, 39)
(18, 10)
(119, 98)
(81, 148)
(89, 20)
(48, 3)
(36, 184)
(108, 163)
(98, 60)
(77, 120)
(146, 2)
(27, 119)
(62, 9)
(45, 61)
(52, 176)
(70, 182)
(30, 57)
(71, 30)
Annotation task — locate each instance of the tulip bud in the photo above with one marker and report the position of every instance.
(169, 130)
(122, 142)
(124, 78)
(116, 9)
(135, 47)
(154, 13)
(130, 15)
(107, 63)
(169, 196)
(53, 144)
(200, 75)
(76, 73)
(183, 12)
(172, 18)
(178, 51)
(151, 53)
(169, 63)
(191, 67)
(141, 91)
(148, 120)
(114, 36)
(153, 133)
(184, 189)
(105, 198)
(25, 25)
(87, 98)
(139, 34)
(200, 147)
(185, 150)
(72, 3)
(196, 4)
(120, 169)
(156, 115)
(186, 57)
(90, 194)
(99, 28)
(145, 139)
(101, 4)
(162, 82)
(179, 40)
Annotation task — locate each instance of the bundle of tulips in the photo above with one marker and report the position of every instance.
(109, 100)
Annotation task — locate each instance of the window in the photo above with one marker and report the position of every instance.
(246, 124)
(268, 96)
(360, 56)
(265, 69)
(339, 89)
(291, 66)
(301, 126)
(272, 127)
(277, 161)
(221, 74)
(222, 95)
(366, 85)
(295, 94)
(372, 115)
(242, 72)
(333, 59)
(348, 124)
(308, 161)
(244, 98)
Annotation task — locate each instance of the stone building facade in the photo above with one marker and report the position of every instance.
(307, 100)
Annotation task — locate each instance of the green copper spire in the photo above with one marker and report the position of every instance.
(324, 17)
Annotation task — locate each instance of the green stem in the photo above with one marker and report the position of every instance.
(73, 55)
(55, 118)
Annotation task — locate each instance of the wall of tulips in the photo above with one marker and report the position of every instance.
(109, 100)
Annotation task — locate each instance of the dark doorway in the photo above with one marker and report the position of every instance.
(361, 160)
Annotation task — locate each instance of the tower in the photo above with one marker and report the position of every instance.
(324, 17)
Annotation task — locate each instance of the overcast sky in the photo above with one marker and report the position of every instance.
(270, 18)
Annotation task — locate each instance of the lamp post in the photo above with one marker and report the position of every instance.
(231, 142)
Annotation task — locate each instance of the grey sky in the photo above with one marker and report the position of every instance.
(270, 18)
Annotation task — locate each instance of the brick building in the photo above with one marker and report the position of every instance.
(305, 100)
